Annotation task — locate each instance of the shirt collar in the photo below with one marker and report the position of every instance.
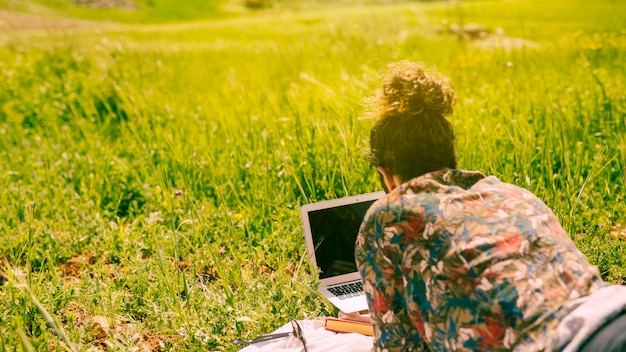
(434, 181)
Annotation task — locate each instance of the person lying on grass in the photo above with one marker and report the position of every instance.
(456, 260)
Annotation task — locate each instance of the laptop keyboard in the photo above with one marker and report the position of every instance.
(347, 290)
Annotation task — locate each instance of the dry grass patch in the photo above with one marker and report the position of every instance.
(618, 232)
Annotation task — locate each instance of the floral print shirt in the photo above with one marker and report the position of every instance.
(456, 261)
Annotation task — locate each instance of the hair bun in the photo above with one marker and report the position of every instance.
(410, 91)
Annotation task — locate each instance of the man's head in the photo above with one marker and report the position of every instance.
(411, 136)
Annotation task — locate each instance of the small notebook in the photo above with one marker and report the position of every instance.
(346, 325)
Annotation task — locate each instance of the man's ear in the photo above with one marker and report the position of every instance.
(390, 180)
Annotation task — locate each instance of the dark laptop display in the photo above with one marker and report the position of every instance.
(334, 232)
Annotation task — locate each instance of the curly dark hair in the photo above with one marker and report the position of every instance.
(412, 136)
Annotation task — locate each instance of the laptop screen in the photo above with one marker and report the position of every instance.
(334, 231)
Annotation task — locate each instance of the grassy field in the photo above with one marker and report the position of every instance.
(151, 174)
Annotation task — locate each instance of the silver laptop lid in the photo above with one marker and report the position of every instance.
(330, 230)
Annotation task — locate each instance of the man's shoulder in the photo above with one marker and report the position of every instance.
(398, 205)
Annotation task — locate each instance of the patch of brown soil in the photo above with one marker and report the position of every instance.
(207, 275)
(183, 265)
(618, 232)
(105, 4)
(472, 31)
(158, 342)
(11, 21)
(250, 268)
(74, 268)
(104, 332)
(484, 37)
(74, 315)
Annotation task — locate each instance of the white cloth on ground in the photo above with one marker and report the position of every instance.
(317, 338)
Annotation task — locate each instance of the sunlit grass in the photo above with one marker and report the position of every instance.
(153, 174)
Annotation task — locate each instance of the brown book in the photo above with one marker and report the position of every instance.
(344, 325)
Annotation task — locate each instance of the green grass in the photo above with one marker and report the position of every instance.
(152, 174)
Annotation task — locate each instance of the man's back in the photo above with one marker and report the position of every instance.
(465, 262)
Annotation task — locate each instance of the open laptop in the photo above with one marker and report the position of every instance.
(330, 231)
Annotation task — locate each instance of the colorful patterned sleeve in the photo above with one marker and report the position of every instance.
(377, 254)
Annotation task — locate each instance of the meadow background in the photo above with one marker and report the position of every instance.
(154, 155)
